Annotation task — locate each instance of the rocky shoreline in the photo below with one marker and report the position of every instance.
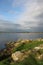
(21, 49)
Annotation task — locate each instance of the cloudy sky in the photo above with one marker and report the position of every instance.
(19, 15)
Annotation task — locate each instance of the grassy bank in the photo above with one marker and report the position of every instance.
(24, 46)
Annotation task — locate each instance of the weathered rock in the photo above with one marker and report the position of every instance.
(24, 41)
(17, 56)
(39, 39)
(16, 44)
(40, 57)
(36, 48)
(41, 46)
(19, 40)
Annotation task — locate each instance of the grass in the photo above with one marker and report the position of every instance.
(27, 61)
(28, 46)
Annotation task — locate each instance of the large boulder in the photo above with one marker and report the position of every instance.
(40, 57)
(41, 46)
(17, 44)
(17, 56)
(37, 48)
(39, 39)
(26, 41)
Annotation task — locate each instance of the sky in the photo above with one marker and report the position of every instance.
(21, 15)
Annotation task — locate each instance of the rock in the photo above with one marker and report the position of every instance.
(20, 56)
(19, 40)
(39, 47)
(17, 56)
(24, 41)
(16, 44)
(36, 48)
(41, 39)
(40, 57)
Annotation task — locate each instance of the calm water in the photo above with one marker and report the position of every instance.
(5, 37)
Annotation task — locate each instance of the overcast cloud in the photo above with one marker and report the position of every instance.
(27, 14)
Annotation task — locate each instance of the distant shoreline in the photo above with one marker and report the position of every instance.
(25, 32)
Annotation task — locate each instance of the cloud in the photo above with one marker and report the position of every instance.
(1, 16)
(30, 16)
(9, 26)
(5, 25)
(32, 9)
(18, 3)
(11, 12)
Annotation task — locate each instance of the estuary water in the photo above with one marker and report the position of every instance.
(6, 37)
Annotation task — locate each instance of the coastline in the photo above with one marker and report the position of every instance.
(21, 49)
(24, 32)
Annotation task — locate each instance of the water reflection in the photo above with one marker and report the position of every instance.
(5, 37)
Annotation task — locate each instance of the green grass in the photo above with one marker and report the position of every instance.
(28, 61)
(28, 46)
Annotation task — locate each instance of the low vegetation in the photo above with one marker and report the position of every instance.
(22, 52)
